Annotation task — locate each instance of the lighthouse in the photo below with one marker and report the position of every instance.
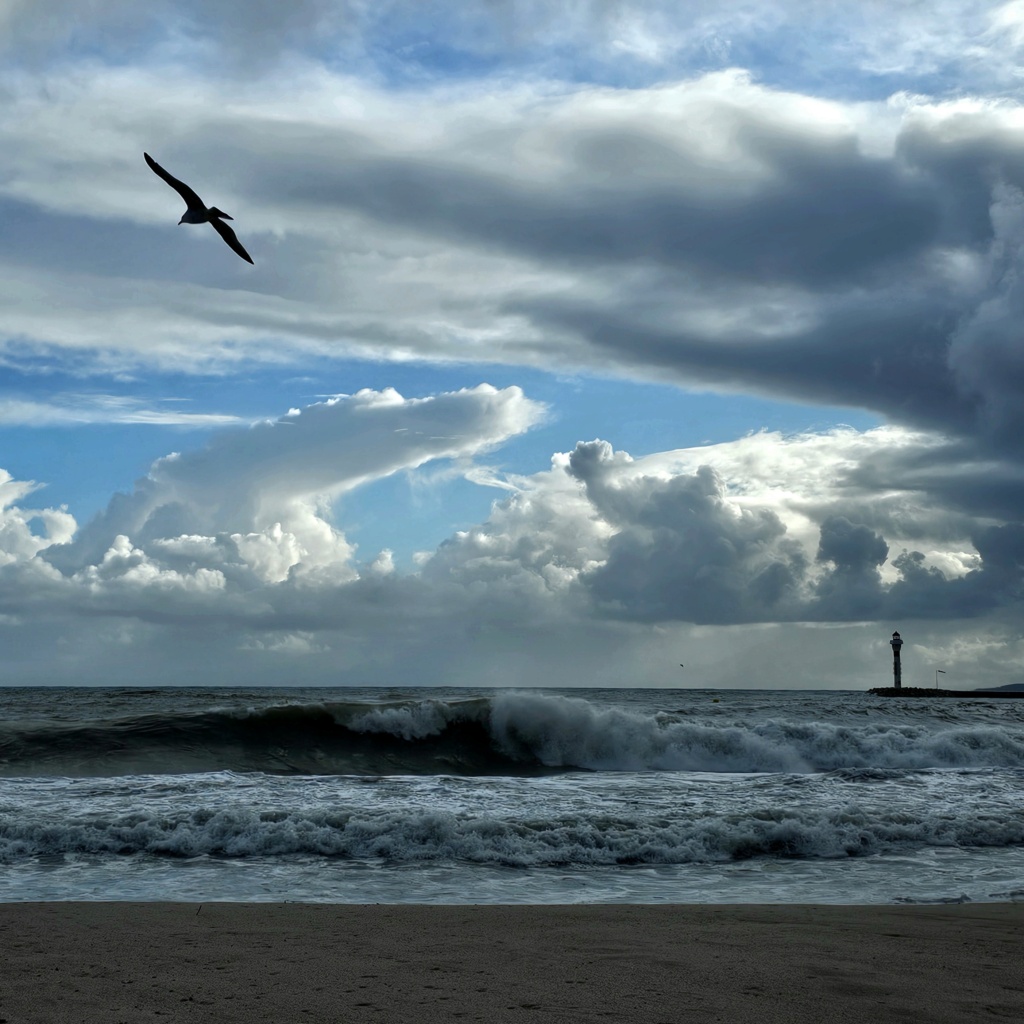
(896, 643)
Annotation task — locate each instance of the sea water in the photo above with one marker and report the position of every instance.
(531, 796)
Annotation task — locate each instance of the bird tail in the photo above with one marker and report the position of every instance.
(214, 212)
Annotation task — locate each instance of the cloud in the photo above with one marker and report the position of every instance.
(599, 188)
(601, 564)
(18, 539)
(829, 44)
(34, 29)
(260, 498)
(681, 550)
(853, 587)
(854, 549)
(67, 409)
(757, 530)
(766, 529)
(711, 231)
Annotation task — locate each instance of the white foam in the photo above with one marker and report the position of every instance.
(569, 821)
(410, 722)
(569, 732)
(441, 835)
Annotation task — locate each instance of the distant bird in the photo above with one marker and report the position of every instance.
(198, 212)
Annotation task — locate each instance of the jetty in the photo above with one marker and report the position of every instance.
(898, 690)
(928, 691)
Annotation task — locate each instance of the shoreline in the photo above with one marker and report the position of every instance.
(314, 962)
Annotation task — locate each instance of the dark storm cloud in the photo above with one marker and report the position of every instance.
(868, 354)
(858, 239)
(964, 478)
(855, 549)
(681, 552)
(820, 211)
(978, 158)
(852, 589)
(1002, 552)
(965, 156)
(997, 583)
(703, 231)
(896, 275)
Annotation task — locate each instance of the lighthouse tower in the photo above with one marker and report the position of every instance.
(896, 643)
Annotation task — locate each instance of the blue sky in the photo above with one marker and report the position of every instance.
(575, 337)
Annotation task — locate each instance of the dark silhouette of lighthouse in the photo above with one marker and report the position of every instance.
(896, 643)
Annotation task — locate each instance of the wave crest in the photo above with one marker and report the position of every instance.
(508, 734)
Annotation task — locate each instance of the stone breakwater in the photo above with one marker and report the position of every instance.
(928, 691)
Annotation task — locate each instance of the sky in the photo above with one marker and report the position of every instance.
(593, 344)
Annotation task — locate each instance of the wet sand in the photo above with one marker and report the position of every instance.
(125, 963)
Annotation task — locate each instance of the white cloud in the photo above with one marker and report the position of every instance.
(763, 528)
(261, 498)
(593, 570)
(18, 540)
(127, 568)
(67, 409)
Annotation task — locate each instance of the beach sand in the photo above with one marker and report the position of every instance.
(108, 963)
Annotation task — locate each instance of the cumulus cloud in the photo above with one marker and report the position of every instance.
(603, 559)
(261, 497)
(18, 538)
(717, 536)
(852, 588)
(680, 549)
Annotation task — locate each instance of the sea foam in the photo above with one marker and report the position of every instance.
(399, 837)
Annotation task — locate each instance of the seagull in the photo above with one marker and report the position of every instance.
(198, 212)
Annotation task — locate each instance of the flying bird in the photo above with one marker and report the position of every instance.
(198, 212)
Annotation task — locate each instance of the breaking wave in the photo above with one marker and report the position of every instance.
(397, 838)
(505, 734)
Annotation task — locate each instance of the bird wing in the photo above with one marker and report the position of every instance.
(230, 237)
(191, 199)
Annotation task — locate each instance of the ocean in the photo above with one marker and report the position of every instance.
(529, 796)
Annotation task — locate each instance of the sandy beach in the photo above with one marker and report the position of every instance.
(122, 963)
